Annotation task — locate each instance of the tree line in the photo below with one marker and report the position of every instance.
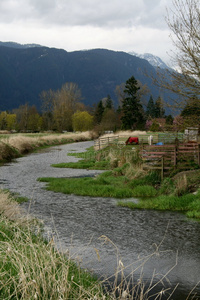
(62, 110)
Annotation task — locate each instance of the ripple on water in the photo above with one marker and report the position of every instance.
(80, 221)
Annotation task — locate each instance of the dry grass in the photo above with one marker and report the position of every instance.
(31, 268)
(18, 144)
(9, 208)
(125, 133)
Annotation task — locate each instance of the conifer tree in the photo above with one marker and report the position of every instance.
(159, 108)
(150, 112)
(108, 103)
(99, 112)
(133, 113)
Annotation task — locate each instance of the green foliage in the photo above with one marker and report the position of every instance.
(192, 108)
(120, 171)
(152, 179)
(7, 153)
(167, 186)
(155, 126)
(82, 121)
(133, 114)
(108, 103)
(99, 112)
(150, 112)
(169, 120)
(159, 108)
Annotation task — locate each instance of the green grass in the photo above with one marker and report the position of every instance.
(85, 164)
(189, 204)
(105, 185)
(144, 191)
(88, 161)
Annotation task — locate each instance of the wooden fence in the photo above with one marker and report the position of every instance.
(168, 157)
(164, 138)
(103, 142)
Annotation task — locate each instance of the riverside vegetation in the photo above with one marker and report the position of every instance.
(32, 268)
(125, 178)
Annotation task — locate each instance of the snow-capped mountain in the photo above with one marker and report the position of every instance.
(154, 60)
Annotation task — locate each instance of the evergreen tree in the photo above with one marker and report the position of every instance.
(159, 108)
(169, 120)
(108, 103)
(133, 113)
(98, 114)
(192, 108)
(150, 112)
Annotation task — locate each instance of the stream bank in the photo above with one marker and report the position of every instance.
(78, 223)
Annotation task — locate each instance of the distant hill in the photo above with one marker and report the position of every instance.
(27, 70)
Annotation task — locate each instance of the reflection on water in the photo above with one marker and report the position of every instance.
(79, 222)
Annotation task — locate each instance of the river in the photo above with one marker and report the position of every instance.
(128, 237)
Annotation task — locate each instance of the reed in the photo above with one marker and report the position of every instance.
(15, 145)
(32, 268)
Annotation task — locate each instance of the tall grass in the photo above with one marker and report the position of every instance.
(31, 268)
(13, 145)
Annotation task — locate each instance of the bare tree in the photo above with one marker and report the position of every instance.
(184, 22)
(59, 106)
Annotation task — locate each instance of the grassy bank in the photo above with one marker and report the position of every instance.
(128, 180)
(31, 268)
(15, 145)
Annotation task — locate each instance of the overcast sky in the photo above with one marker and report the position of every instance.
(128, 25)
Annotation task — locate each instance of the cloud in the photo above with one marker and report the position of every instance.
(103, 13)
(128, 25)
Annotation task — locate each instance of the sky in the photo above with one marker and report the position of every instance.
(128, 25)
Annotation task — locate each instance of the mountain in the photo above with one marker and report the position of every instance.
(154, 60)
(26, 71)
(16, 45)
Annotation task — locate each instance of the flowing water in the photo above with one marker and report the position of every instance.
(103, 235)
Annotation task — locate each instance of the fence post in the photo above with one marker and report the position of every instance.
(198, 154)
(176, 151)
(162, 168)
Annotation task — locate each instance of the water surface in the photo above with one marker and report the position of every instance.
(79, 222)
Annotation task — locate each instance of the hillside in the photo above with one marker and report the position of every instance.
(26, 71)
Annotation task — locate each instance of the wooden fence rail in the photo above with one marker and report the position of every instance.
(164, 138)
(168, 157)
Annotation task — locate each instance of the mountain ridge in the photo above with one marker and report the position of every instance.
(25, 72)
